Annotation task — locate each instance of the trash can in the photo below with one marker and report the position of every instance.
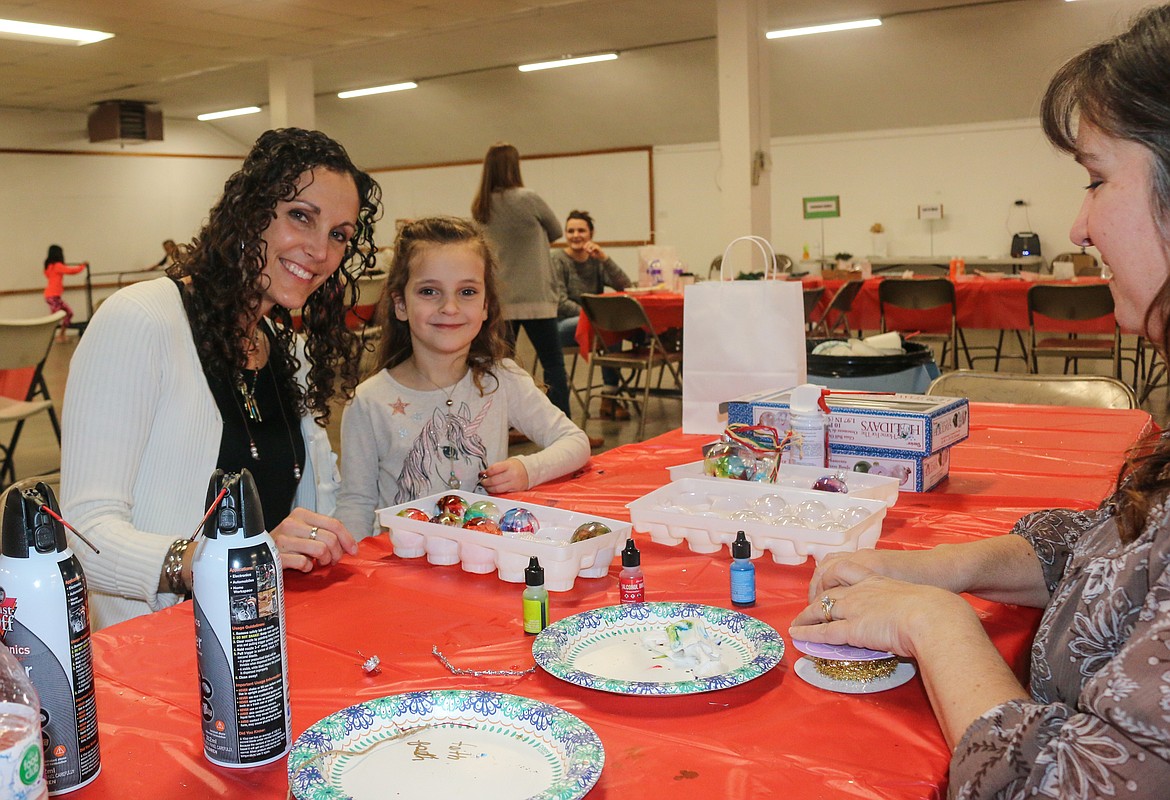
(910, 372)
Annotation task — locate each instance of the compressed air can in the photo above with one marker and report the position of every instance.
(44, 622)
(238, 589)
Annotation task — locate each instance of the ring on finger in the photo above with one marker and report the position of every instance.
(313, 532)
(827, 607)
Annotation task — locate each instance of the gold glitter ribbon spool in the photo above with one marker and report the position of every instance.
(855, 671)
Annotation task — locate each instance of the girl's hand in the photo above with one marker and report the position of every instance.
(594, 250)
(505, 476)
(306, 539)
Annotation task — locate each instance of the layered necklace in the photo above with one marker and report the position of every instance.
(250, 409)
(449, 450)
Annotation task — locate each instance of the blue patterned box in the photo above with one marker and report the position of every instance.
(910, 425)
(914, 473)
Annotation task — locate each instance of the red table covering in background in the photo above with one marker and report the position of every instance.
(663, 309)
(988, 303)
(774, 736)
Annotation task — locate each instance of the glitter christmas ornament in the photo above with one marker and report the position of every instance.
(448, 518)
(414, 513)
(452, 504)
(831, 483)
(519, 520)
(589, 530)
(483, 525)
(483, 509)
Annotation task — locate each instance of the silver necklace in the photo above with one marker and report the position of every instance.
(251, 407)
(252, 448)
(450, 450)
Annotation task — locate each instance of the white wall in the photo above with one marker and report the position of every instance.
(114, 211)
(976, 171)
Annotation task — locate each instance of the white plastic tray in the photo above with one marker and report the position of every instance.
(797, 476)
(508, 554)
(694, 510)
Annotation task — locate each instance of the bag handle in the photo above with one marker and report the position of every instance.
(765, 248)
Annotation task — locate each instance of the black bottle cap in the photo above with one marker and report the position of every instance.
(741, 547)
(239, 511)
(534, 573)
(27, 527)
(630, 556)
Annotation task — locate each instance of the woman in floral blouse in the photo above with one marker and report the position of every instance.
(1095, 719)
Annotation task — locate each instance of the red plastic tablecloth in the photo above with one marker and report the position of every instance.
(774, 736)
(981, 303)
(663, 309)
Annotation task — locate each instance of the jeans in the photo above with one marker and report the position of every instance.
(543, 335)
(567, 330)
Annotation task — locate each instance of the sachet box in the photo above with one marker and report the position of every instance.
(913, 473)
(906, 425)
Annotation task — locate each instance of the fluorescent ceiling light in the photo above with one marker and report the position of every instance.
(235, 112)
(393, 87)
(836, 26)
(13, 29)
(568, 62)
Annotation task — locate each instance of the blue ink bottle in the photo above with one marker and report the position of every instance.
(535, 598)
(743, 572)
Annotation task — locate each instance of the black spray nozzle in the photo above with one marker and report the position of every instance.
(238, 511)
(28, 526)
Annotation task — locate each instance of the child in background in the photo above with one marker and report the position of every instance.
(435, 416)
(55, 271)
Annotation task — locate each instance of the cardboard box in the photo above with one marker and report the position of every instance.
(914, 473)
(910, 425)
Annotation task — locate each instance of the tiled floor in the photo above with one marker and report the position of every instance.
(38, 451)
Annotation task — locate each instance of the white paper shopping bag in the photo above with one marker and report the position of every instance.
(739, 337)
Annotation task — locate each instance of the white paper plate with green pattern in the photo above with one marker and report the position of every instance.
(637, 648)
(451, 743)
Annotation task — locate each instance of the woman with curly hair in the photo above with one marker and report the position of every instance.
(1094, 720)
(203, 369)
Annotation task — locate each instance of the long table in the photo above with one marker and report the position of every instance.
(988, 303)
(774, 736)
(663, 309)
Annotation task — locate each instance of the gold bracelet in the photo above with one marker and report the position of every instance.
(173, 566)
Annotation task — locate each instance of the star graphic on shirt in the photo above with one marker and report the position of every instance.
(399, 407)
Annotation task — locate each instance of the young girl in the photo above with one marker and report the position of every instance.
(55, 271)
(436, 414)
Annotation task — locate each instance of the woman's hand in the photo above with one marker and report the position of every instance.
(306, 539)
(593, 250)
(878, 612)
(505, 476)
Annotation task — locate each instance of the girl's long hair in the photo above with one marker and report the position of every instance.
(501, 170)
(396, 345)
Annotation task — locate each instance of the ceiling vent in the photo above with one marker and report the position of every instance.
(125, 121)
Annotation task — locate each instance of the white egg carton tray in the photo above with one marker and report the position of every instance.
(695, 510)
(508, 554)
(798, 476)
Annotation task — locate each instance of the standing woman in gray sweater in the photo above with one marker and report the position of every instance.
(520, 227)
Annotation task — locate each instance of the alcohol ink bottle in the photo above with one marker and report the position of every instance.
(743, 572)
(535, 597)
(631, 581)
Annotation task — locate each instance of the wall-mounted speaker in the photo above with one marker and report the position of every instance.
(125, 121)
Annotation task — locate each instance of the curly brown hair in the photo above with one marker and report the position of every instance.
(224, 264)
(396, 345)
(1122, 88)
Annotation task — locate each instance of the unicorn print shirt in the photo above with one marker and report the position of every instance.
(398, 444)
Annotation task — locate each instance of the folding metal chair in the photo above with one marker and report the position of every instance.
(25, 344)
(1070, 303)
(923, 294)
(836, 316)
(1096, 391)
(618, 315)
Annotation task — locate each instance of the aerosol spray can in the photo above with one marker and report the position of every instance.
(238, 588)
(44, 622)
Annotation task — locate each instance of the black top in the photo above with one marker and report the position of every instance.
(277, 437)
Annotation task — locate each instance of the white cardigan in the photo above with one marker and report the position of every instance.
(140, 440)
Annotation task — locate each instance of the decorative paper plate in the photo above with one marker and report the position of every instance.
(450, 743)
(607, 649)
(807, 671)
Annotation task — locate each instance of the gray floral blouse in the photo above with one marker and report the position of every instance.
(1099, 721)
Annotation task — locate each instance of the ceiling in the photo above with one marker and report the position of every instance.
(196, 56)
